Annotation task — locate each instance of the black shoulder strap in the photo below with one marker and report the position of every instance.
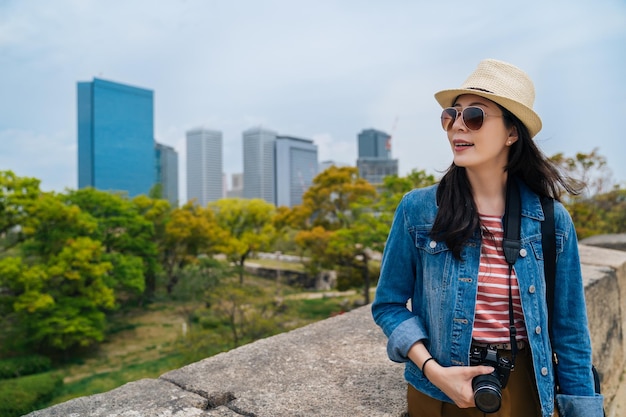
(548, 243)
(512, 222)
(511, 245)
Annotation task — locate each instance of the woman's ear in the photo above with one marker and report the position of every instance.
(513, 136)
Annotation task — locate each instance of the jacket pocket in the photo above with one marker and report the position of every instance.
(435, 257)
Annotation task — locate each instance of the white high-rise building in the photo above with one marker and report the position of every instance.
(259, 164)
(296, 166)
(204, 165)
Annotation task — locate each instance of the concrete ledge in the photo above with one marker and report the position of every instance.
(615, 241)
(336, 367)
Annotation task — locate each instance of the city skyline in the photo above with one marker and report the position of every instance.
(316, 70)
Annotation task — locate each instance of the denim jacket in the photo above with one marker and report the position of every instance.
(442, 293)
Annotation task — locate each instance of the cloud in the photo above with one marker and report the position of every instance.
(321, 69)
(50, 157)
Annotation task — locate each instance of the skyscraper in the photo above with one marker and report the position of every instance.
(115, 137)
(167, 172)
(374, 144)
(204, 165)
(296, 166)
(259, 164)
(375, 162)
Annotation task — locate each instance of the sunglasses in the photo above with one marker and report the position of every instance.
(472, 117)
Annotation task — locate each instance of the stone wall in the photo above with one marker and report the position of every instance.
(336, 367)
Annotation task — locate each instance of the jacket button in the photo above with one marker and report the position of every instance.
(544, 371)
(523, 252)
(538, 329)
(531, 289)
(433, 244)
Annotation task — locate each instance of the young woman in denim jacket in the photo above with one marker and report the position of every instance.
(435, 268)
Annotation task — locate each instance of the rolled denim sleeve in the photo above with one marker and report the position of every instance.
(580, 406)
(403, 337)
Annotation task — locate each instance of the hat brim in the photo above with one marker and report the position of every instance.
(531, 120)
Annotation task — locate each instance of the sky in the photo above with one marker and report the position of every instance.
(317, 69)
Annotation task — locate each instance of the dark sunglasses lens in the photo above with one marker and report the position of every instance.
(448, 116)
(473, 117)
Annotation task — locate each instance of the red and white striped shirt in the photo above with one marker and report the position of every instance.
(491, 319)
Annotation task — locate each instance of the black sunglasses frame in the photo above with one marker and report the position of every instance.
(471, 121)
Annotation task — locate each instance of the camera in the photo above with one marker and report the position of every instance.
(488, 388)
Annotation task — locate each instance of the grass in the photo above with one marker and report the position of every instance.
(273, 263)
(106, 381)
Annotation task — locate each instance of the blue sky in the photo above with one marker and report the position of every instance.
(321, 69)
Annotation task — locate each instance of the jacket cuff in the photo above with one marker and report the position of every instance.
(579, 406)
(403, 338)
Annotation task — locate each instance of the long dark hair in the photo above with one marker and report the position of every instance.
(457, 217)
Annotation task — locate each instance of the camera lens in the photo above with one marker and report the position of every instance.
(487, 393)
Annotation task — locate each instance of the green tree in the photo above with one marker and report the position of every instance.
(190, 231)
(127, 237)
(590, 170)
(246, 311)
(333, 199)
(394, 188)
(343, 225)
(156, 211)
(353, 248)
(601, 208)
(50, 223)
(56, 274)
(16, 196)
(58, 304)
(250, 227)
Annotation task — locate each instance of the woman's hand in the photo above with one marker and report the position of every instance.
(456, 381)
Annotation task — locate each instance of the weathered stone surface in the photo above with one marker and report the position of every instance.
(143, 398)
(337, 367)
(615, 241)
(604, 312)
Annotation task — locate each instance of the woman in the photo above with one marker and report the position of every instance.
(445, 292)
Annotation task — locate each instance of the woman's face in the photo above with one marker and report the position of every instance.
(486, 148)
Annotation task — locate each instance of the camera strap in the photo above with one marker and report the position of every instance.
(511, 244)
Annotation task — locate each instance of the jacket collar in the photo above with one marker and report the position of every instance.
(531, 204)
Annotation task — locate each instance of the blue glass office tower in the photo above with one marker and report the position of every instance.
(115, 137)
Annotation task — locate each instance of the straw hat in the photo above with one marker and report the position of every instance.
(502, 83)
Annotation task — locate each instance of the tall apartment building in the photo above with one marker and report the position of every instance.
(374, 161)
(167, 172)
(204, 165)
(259, 164)
(115, 137)
(296, 166)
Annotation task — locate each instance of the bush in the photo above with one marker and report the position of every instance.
(20, 396)
(24, 365)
